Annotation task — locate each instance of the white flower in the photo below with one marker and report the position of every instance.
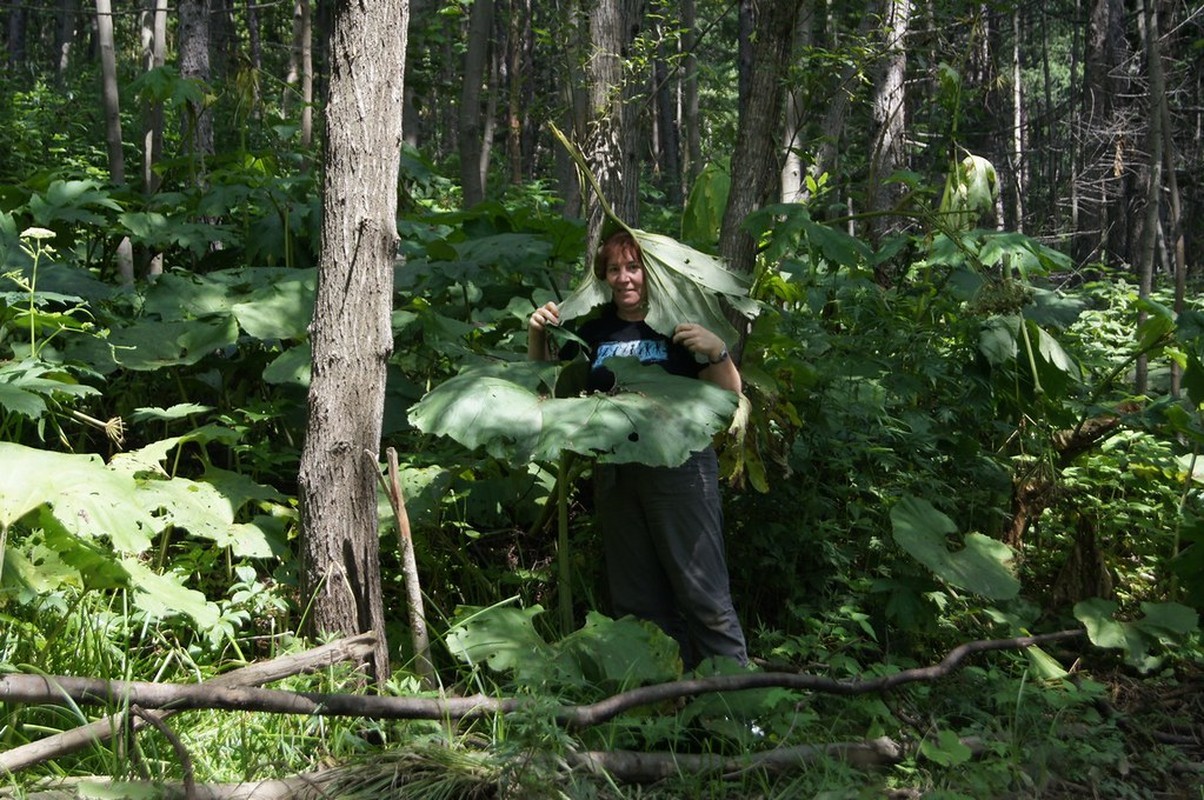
(37, 233)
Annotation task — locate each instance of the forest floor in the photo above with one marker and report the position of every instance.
(1162, 723)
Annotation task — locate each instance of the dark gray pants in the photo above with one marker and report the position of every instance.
(662, 528)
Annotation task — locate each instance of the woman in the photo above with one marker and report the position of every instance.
(662, 527)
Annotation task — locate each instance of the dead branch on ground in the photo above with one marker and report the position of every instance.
(355, 649)
(174, 697)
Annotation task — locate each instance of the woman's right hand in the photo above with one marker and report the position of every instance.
(545, 315)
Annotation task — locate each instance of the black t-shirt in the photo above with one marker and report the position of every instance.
(609, 336)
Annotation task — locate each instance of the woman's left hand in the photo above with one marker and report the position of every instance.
(698, 339)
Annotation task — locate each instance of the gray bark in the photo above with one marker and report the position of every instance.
(193, 37)
(889, 151)
(755, 160)
(612, 137)
(112, 109)
(472, 123)
(351, 332)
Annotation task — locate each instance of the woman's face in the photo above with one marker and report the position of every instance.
(625, 276)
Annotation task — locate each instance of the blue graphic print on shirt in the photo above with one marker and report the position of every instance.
(648, 351)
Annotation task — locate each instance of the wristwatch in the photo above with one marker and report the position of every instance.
(723, 355)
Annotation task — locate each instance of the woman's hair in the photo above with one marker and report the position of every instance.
(619, 243)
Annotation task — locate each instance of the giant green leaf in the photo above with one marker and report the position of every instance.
(504, 637)
(683, 284)
(88, 499)
(280, 311)
(199, 508)
(1164, 624)
(981, 566)
(161, 595)
(653, 418)
(150, 344)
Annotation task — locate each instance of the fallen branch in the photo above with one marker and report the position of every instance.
(409, 569)
(355, 649)
(629, 766)
(620, 766)
(92, 691)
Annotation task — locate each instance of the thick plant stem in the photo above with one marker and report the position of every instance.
(565, 569)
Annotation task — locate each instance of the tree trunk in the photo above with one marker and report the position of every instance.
(669, 149)
(754, 162)
(517, 65)
(612, 137)
(64, 38)
(1153, 193)
(574, 94)
(112, 109)
(351, 332)
(833, 125)
(154, 32)
(1106, 140)
(154, 56)
(18, 21)
(889, 153)
(193, 39)
(1019, 159)
(305, 47)
(471, 127)
(793, 170)
(692, 150)
(256, 46)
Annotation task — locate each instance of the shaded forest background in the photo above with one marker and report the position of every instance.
(974, 387)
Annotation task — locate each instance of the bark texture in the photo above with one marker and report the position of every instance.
(612, 136)
(351, 333)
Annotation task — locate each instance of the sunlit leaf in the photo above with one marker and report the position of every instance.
(88, 499)
(683, 284)
(653, 418)
(981, 566)
(501, 636)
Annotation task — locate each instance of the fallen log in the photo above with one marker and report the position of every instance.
(93, 691)
(353, 649)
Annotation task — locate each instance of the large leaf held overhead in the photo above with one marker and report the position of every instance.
(683, 285)
(654, 418)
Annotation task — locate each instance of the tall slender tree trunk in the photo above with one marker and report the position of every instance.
(692, 150)
(112, 109)
(64, 37)
(612, 136)
(256, 65)
(1153, 194)
(668, 138)
(18, 23)
(305, 47)
(517, 79)
(471, 126)
(889, 152)
(1105, 156)
(755, 161)
(193, 38)
(154, 49)
(154, 53)
(1018, 158)
(793, 167)
(833, 125)
(351, 332)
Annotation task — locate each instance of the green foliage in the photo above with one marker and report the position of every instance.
(981, 567)
(654, 418)
(604, 656)
(150, 439)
